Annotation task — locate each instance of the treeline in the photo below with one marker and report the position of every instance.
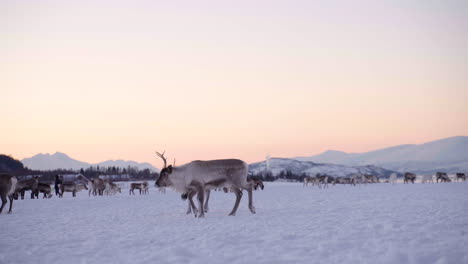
(15, 167)
(285, 175)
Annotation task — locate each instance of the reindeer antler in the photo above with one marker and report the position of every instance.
(173, 165)
(162, 157)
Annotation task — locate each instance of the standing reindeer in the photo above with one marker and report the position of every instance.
(7, 189)
(442, 176)
(27, 185)
(409, 177)
(199, 176)
(71, 187)
(460, 176)
(141, 186)
(43, 188)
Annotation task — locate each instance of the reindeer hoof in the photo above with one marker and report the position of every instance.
(232, 214)
(252, 209)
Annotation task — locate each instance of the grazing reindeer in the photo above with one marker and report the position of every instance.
(460, 176)
(199, 176)
(71, 187)
(409, 177)
(7, 189)
(442, 176)
(27, 185)
(45, 189)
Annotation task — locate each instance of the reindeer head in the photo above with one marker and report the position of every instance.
(163, 180)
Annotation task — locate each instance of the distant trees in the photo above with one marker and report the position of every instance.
(9, 164)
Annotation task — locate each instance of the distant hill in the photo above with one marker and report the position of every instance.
(60, 160)
(449, 154)
(311, 168)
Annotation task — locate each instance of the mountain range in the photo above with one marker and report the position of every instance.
(278, 165)
(60, 160)
(448, 155)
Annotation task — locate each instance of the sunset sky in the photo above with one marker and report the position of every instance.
(103, 80)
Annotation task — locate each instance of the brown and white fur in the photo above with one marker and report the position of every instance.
(200, 176)
(27, 185)
(72, 187)
(7, 189)
(141, 186)
(45, 189)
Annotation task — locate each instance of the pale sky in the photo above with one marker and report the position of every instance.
(103, 80)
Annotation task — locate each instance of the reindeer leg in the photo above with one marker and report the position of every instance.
(192, 204)
(11, 203)
(4, 201)
(238, 193)
(251, 207)
(207, 199)
(201, 200)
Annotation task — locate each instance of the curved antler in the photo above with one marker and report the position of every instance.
(162, 157)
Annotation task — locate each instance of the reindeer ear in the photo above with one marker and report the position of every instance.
(169, 169)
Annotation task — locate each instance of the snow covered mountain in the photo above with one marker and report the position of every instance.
(310, 168)
(449, 154)
(60, 160)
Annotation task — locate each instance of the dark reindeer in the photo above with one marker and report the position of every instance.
(409, 177)
(442, 176)
(460, 176)
(7, 189)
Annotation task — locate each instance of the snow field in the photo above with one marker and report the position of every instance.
(375, 223)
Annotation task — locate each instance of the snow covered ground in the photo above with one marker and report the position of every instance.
(379, 223)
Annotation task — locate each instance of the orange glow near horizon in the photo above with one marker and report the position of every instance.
(212, 80)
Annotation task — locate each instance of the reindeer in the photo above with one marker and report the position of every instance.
(111, 188)
(409, 177)
(442, 176)
(72, 187)
(312, 180)
(199, 176)
(43, 188)
(141, 186)
(460, 176)
(27, 185)
(7, 189)
(322, 181)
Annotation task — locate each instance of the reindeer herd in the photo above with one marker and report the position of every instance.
(196, 178)
(322, 181)
(440, 177)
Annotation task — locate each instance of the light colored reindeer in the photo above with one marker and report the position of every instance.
(71, 187)
(199, 176)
